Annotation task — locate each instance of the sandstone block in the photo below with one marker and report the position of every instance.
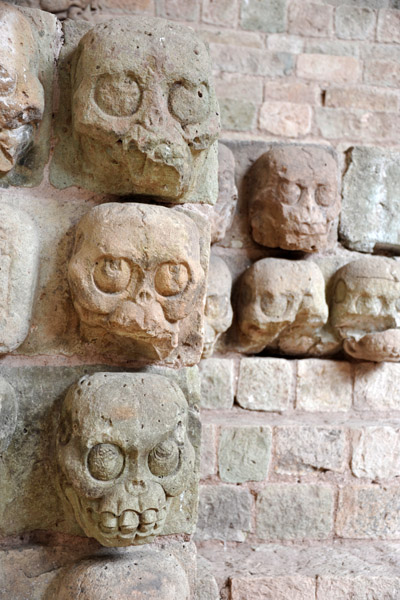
(251, 61)
(365, 98)
(304, 449)
(333, 69)
(376, 386)
(244, 453)
(253, 392)
(237, 114)
(382, 72)
(208, 452)
(359, 125)
(294, 512)
(206, 586)
(369, 512)
(389, 26)
(296, 92)
(217, 382)
(263, 16)
(245, 87)
(358, 588)
(232, 37)
(178, 9)
(218, 312)
(223, 13)
(273, 588)
(336, 393)
(286, 119)
(376, 453)
(308, 18)
(8, 414)
(332, 47)
(278, 42)
(223, 211)
(354, 23)
(224, 513)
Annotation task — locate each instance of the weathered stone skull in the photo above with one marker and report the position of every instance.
(281, 302)
(365, 308)
(223, 211)
(123, 453)
(136, 273)
(218, 310)
(145, 114)
(21, 93)
(294, 200)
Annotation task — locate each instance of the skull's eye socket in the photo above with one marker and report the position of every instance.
(171, 278)
(340, 291)
(8, 82)
(105, 462)
(189, 103)
(324, 195)
(368, 305)
(164, 458)
(275, 307)
(289, 192)
(111, 275)
(117, 95)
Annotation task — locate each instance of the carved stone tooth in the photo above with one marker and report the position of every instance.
(108, 521)
(148, 516)
(128, 521)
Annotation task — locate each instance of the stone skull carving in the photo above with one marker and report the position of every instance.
(136, 274)
(223, 211)
(218, 310)
(294, 200)
(365, 308)
(21, 93)
(145, 114)
(281, 305)
(123, 452)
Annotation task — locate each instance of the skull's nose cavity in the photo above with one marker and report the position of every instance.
(128, 522)
(144, 296)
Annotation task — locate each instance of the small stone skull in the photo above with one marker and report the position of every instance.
(21, 93)
(218, 310)
(294, 199)
(145, 114)
(222, 212)
(123, 452)
(281, 305)
(365, 308)
(136, 274)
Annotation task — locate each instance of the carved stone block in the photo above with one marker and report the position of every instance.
(138, 275)
(224, 209)
(218, 309)
(8, 414)
(19, 256)
(67, 9)
(365, 308)
(143, 110)
(294, 200)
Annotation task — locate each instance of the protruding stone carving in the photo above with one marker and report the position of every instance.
(123, 452)
(138, 274)
(224, 209)
(365, 308)
(19, 255)
(281, 305)
(218, 310)
(67, 9)
(21, 93)
(294, 200)
(8, 414)
(145, 116)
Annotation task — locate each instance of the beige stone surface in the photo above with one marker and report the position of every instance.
(244, 453)
(335, 395)
(358, 588)
(8, 414)
(286, 119)
(218, 313)
(252, 392)
(217, 382)
(376, 386)
(68, 9)
(223, 211)
(272, 588)
(376, 453)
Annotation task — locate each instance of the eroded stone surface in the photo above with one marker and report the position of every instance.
(218, 312)
(365, 309)
(224, 513)
(8, 414)
(137, 277)
(217, 382)
(145, 117)
(334, 396)
(67, 9)
(376, 453)
(252, 392)
(224, 209)
(272, 588)
(294, 199)
(244, 453)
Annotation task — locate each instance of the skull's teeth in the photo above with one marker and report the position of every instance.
(128, 521)
(148, 516)
(108, 521)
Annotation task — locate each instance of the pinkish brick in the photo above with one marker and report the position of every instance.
(231, 37)
(309, 19)
(298, 92)
(366, 98)
(333, 69)
(285, 119)
(383, 72)
(389, 26)
(222, 12)
(280, 42)
(357, 125)
(182, 10)
(245, 87)
(208, 455)
(273, 588)
(251, 61)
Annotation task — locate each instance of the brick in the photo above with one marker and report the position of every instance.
(336, 392)
(382, 72)
(292, 91)
(376, 386)
(251, 61)
(208, 452)
(333, 69)
(217, 382)
(365, 98)
(286, 119)
(369, 512)
(379, 51)
(310, 19)
(237, 114)
(357, 125)
(224, 513)
(127, 6)
(388, 29)
(354, 23)
(332, 47)
(358, 588)
(278, 42)
(253, 391)
(244, 453)
(376, 453)
(263, 15)
(367, 3)
(272, 588)
(222, 12)
(294, 512)
(245, 87)
(231, 37)
(181, 10)
(304, 449)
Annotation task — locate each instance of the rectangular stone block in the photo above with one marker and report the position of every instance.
(297, 92)
(357, 125)
(376, 386)
(279, 42)
(369, 512)
(332, 69)
(308, 18)
(389, 26)
(251, 61)
(244, 453)
(382, 72)
(231, 85)
(208, 451)
(365, 98)
(332, 47)
(376, 452)
(354, 23)
(359, 587)
(294, 512)
(285, 119)
(336, 392)
(217, 382)
(273, 588)
(178, 9)
(223, 12)
(237, 114)
(232, 37)
(304, 449)
(224, 513)
(263, 16)
(266, 384)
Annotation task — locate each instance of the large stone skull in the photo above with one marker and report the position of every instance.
(218, 310)
(123, 453)
(145, 114)
(294, 200)
(281, 303)
(365, 308)
(21, 93)
(136, 274)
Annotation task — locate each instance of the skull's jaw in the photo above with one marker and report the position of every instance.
(13, 142)
(303, 237)
(375, 347)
